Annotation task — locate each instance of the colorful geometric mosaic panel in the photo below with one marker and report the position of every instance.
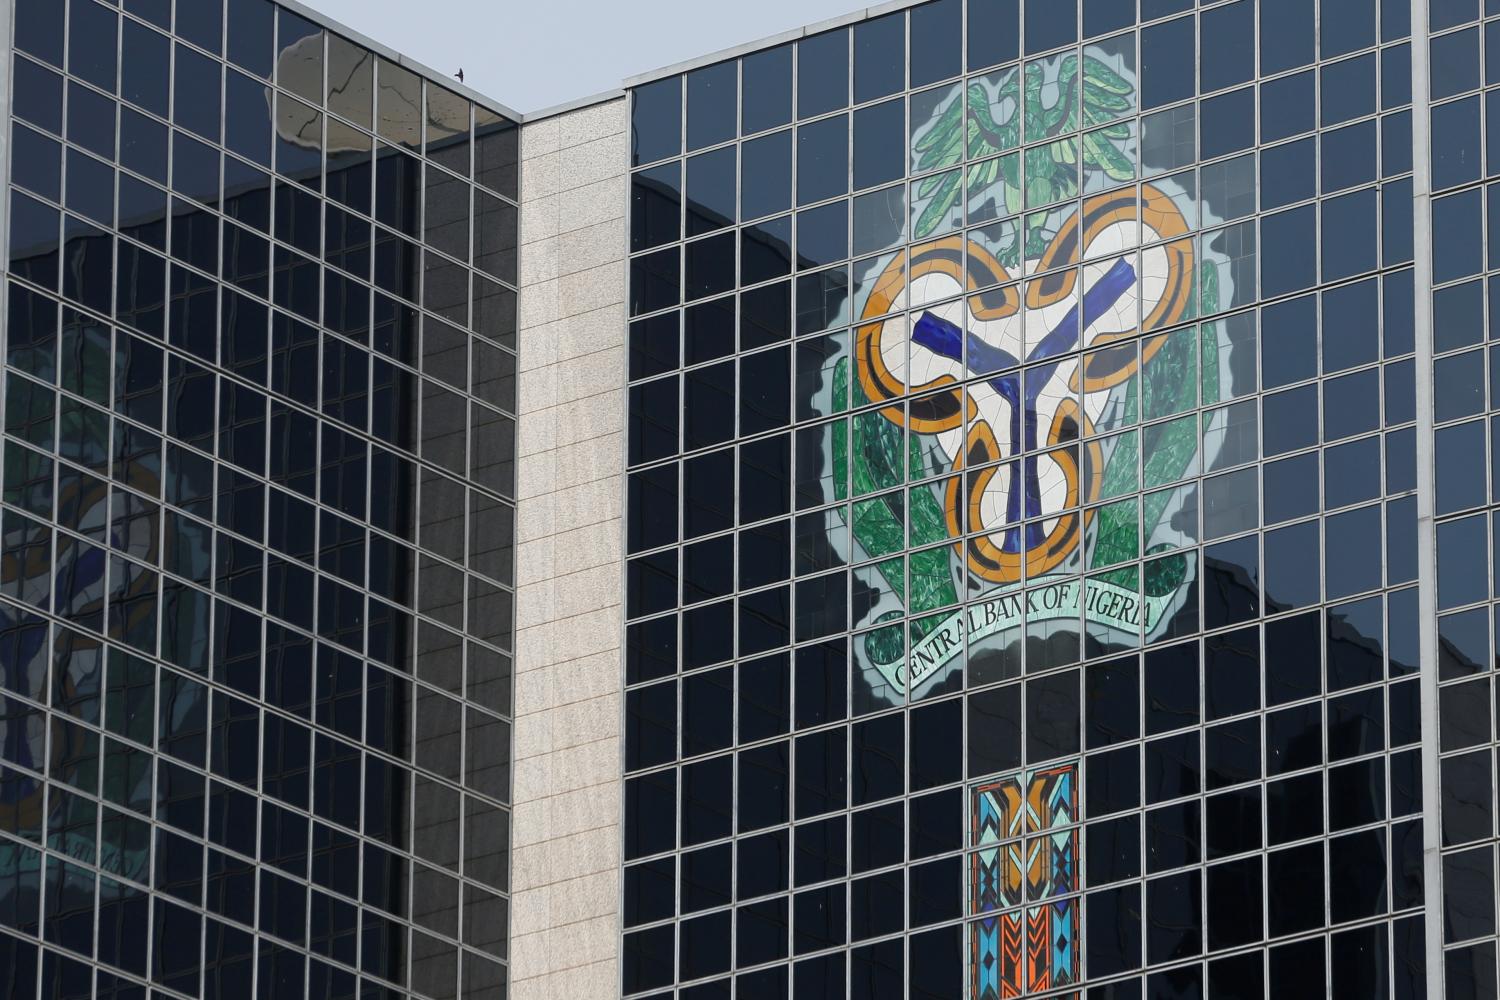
(998, 812)
(1051, 798)
(1043, 799)
(1052, 865)
(1022, 952)
(996, 877)
(1025, 828)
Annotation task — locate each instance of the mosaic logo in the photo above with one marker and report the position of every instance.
(999, 361)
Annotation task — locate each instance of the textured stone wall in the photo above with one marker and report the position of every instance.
(565, 929)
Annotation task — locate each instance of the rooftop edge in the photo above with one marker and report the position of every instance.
(770, 41)
(407, 62)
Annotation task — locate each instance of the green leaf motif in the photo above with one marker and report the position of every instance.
(877, 456)
(885, 645)
(1164, 576)
(945, 190)
(1118, 536)
(841, 385)
(841, 443)
(1173, 451)
(1106, 97)
(878, 528)
(1210, 290)
(982, 175)
(894, 572)
(1154, 509)
(921, 628)
(1098, 78)
(925, 517)
(1120, 472)
(943, 143)
(931, 581)
(1100, 152)
(1168, 377)
(985, 134)
(1172, 389)
(1105, 110)
(1211, 360)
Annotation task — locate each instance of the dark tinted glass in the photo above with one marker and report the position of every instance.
(766, 176)
(93, 41)
(1287, 37)
(879, 57)
(656, 121)
(1455, 142)
(712, 95)
(823, 235)
(1168, 54)
(936, 41)
(1227, 123)
(1455, 63)
(994, 32)
(1446, 13)
(251, 28)
(1288, 247)
(1340, 81)
(879, 145)
(37, 163)
(91, 121)
(39, 29)
(1288, 173)
(1228, 55)
(39, 95)
(822, 159)
(1049, 25)
(822, 73)
(196, 93)
(711, 179)
(201, 24)
(767, 100)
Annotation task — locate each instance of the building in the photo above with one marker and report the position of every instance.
(973, 499)
(257, 591)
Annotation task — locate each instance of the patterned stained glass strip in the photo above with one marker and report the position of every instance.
(1023, 951)
(1052, 954)
(1051, 798)
(997, 811)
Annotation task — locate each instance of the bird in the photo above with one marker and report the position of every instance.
(460, 74)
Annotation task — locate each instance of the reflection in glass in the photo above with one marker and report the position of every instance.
(398, 105)
(447, 129)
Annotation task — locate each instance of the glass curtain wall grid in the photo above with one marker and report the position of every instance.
(1462, 53)
(256, 604)
(1021, 508)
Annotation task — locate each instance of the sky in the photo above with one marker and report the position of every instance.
(533, 54)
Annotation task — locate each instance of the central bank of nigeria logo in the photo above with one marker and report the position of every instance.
(1028, 387)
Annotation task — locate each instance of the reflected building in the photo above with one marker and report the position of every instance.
(972, 499)
(257, 589)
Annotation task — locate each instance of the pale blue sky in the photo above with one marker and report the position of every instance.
(532, 54)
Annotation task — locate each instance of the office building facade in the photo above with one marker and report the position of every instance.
(1023, 514)
(258, 574)
(973, 499)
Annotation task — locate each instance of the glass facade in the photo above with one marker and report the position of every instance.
(256, 596)
(1463, 248)
(1061, 511)
(1022, 587)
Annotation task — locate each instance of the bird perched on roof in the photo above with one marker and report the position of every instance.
(460, 74)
